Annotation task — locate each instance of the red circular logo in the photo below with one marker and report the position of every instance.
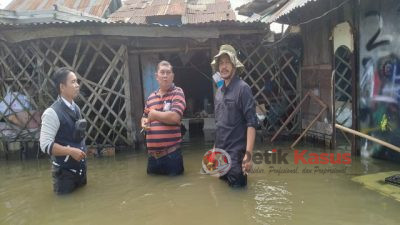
(216, 162)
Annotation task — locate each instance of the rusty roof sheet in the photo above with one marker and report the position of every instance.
(205, 18)
(93, 7)
(161, 10)
(233, 23)
(259, 7)
(287, 8)
(192, 11)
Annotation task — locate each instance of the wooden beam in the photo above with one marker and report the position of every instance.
(131, 128)
(136, 100)
(167, 42)
(291, 116)
(182, 49)
(319, 101)
(239, 31)
(308, 127)
(30, 32)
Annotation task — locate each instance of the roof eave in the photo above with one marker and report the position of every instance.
(24, 32)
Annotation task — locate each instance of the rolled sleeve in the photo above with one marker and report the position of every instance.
(249, 107)
(178, 103)
(146, 110)
(145, 115)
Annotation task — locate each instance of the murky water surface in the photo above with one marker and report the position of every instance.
(120, 192)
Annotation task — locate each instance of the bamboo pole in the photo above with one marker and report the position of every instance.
(290, 117)
(309, 126)
(298, 107)
(393, 147)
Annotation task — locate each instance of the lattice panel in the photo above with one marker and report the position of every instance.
(20, 106)
(102, 73)
(273, 75)
(343, 89)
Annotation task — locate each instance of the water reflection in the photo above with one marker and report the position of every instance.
(120, 192)
(272, 202)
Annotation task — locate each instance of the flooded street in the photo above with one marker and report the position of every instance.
(114, 73)
(120, 192)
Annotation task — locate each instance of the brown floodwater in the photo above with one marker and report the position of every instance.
(120, 192)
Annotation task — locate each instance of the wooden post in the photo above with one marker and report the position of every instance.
(214, 50)
(333, 146)
(136, 88)
(355, 63)
(128, 96)
(355, 150)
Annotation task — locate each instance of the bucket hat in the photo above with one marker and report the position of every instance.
(231, 52)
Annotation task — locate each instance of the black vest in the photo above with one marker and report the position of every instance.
(66, 134)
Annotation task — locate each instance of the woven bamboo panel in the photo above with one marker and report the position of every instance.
(343, 88)
(102, 72)
(274, 77)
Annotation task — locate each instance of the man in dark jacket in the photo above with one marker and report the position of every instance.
(235, 116)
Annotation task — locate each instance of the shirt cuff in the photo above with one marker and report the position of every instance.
(50, 148)
(252, 124)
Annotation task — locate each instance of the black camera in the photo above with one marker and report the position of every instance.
(80, 128)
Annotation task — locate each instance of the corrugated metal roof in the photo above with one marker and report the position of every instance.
(202, 1)
(192, 11)
(205, 18)
(137, 20)
(95, 22)
(161, 10)
(287, 8)
(93, 7)
(176, 9)
(260, 7)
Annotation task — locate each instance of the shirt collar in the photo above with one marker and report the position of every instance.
(234, 79)
(169, 89)
(68, 103)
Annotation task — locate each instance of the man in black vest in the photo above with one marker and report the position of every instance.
(62, 135)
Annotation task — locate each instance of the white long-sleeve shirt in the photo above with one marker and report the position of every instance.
(49, 129)
(50, 126)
